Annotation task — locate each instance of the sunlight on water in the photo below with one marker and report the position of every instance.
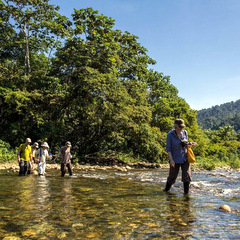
(118, 205)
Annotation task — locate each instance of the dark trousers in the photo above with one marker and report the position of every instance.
(63, 169)
(173, 173)
(23, 167)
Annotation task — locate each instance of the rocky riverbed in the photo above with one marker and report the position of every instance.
(15, 167)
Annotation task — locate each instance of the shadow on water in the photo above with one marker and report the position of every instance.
(115, 205)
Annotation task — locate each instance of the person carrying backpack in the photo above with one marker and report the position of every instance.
(41, 156)
(34, 150)
(24, 156)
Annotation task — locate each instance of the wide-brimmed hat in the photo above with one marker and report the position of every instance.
(45, 144)
(28, 140)
(35, 145)
(68, 144)
(180, 122)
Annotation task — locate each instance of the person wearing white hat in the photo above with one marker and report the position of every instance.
(24, 156)
(35, 146)
(41, 156)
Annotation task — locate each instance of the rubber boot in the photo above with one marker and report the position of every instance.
(186, 187)
(167, 188)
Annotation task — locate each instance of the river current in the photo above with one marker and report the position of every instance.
(111, 204)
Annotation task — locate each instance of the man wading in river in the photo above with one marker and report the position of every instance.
(177, 152)
(24, 155)
(66, 156)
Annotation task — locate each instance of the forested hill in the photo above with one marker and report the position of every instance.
(227, 114)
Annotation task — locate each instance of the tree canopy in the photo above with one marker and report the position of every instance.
(82, 81)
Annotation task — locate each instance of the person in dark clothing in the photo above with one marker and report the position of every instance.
(66, 156)
(177, 142)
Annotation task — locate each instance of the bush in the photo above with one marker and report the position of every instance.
(206, 163)
(7, 154)
(234, 162)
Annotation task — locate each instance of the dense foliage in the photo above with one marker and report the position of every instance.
(7, 154)
(82, 81)
(221, 125)
(86, 82)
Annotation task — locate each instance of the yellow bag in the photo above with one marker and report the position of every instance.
(190, 155)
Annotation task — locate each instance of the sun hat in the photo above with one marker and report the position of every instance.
(68, 144)
(45, 144)
(35, 145)
(180, 122)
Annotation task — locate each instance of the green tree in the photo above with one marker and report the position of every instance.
(35, 29)
(96, 90)
(167, 105)
(106, 103)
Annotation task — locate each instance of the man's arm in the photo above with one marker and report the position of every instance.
(172, 163)
(19, 154)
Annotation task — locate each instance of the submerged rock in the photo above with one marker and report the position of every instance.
(195, 185)
(35, 172)
(225, 208)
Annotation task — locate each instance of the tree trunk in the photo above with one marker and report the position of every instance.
(27, 58)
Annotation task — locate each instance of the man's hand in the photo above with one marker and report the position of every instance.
(172, 163)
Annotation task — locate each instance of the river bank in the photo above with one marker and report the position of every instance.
(15, 167)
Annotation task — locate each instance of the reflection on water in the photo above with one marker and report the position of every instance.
(118, 205)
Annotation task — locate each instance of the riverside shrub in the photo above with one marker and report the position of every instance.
(7, 154)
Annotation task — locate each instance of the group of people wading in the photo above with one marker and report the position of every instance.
(177, 144)
(28, 155)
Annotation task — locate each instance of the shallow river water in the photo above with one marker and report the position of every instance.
(118, 205)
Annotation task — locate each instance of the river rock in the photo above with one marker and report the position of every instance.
(35, 172)
(195, 185)
(225, 208)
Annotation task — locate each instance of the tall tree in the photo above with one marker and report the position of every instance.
(30, 30)
(36, 25)
(104, 71)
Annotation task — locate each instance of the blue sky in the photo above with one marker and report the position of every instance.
(195, 42)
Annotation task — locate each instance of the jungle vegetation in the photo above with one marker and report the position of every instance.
(84, 81)
(227, 114)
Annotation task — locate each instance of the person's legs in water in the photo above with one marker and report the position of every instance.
(23, 168)
(186, 187)
(40, 168)
(63, 169)
(186, 176)
(29, 167)
(43, 168)
(69, 166)
(173, 173)
(167, 187)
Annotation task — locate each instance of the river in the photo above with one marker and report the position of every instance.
(111, 204)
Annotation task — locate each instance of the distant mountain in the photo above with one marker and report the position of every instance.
(219, 116)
